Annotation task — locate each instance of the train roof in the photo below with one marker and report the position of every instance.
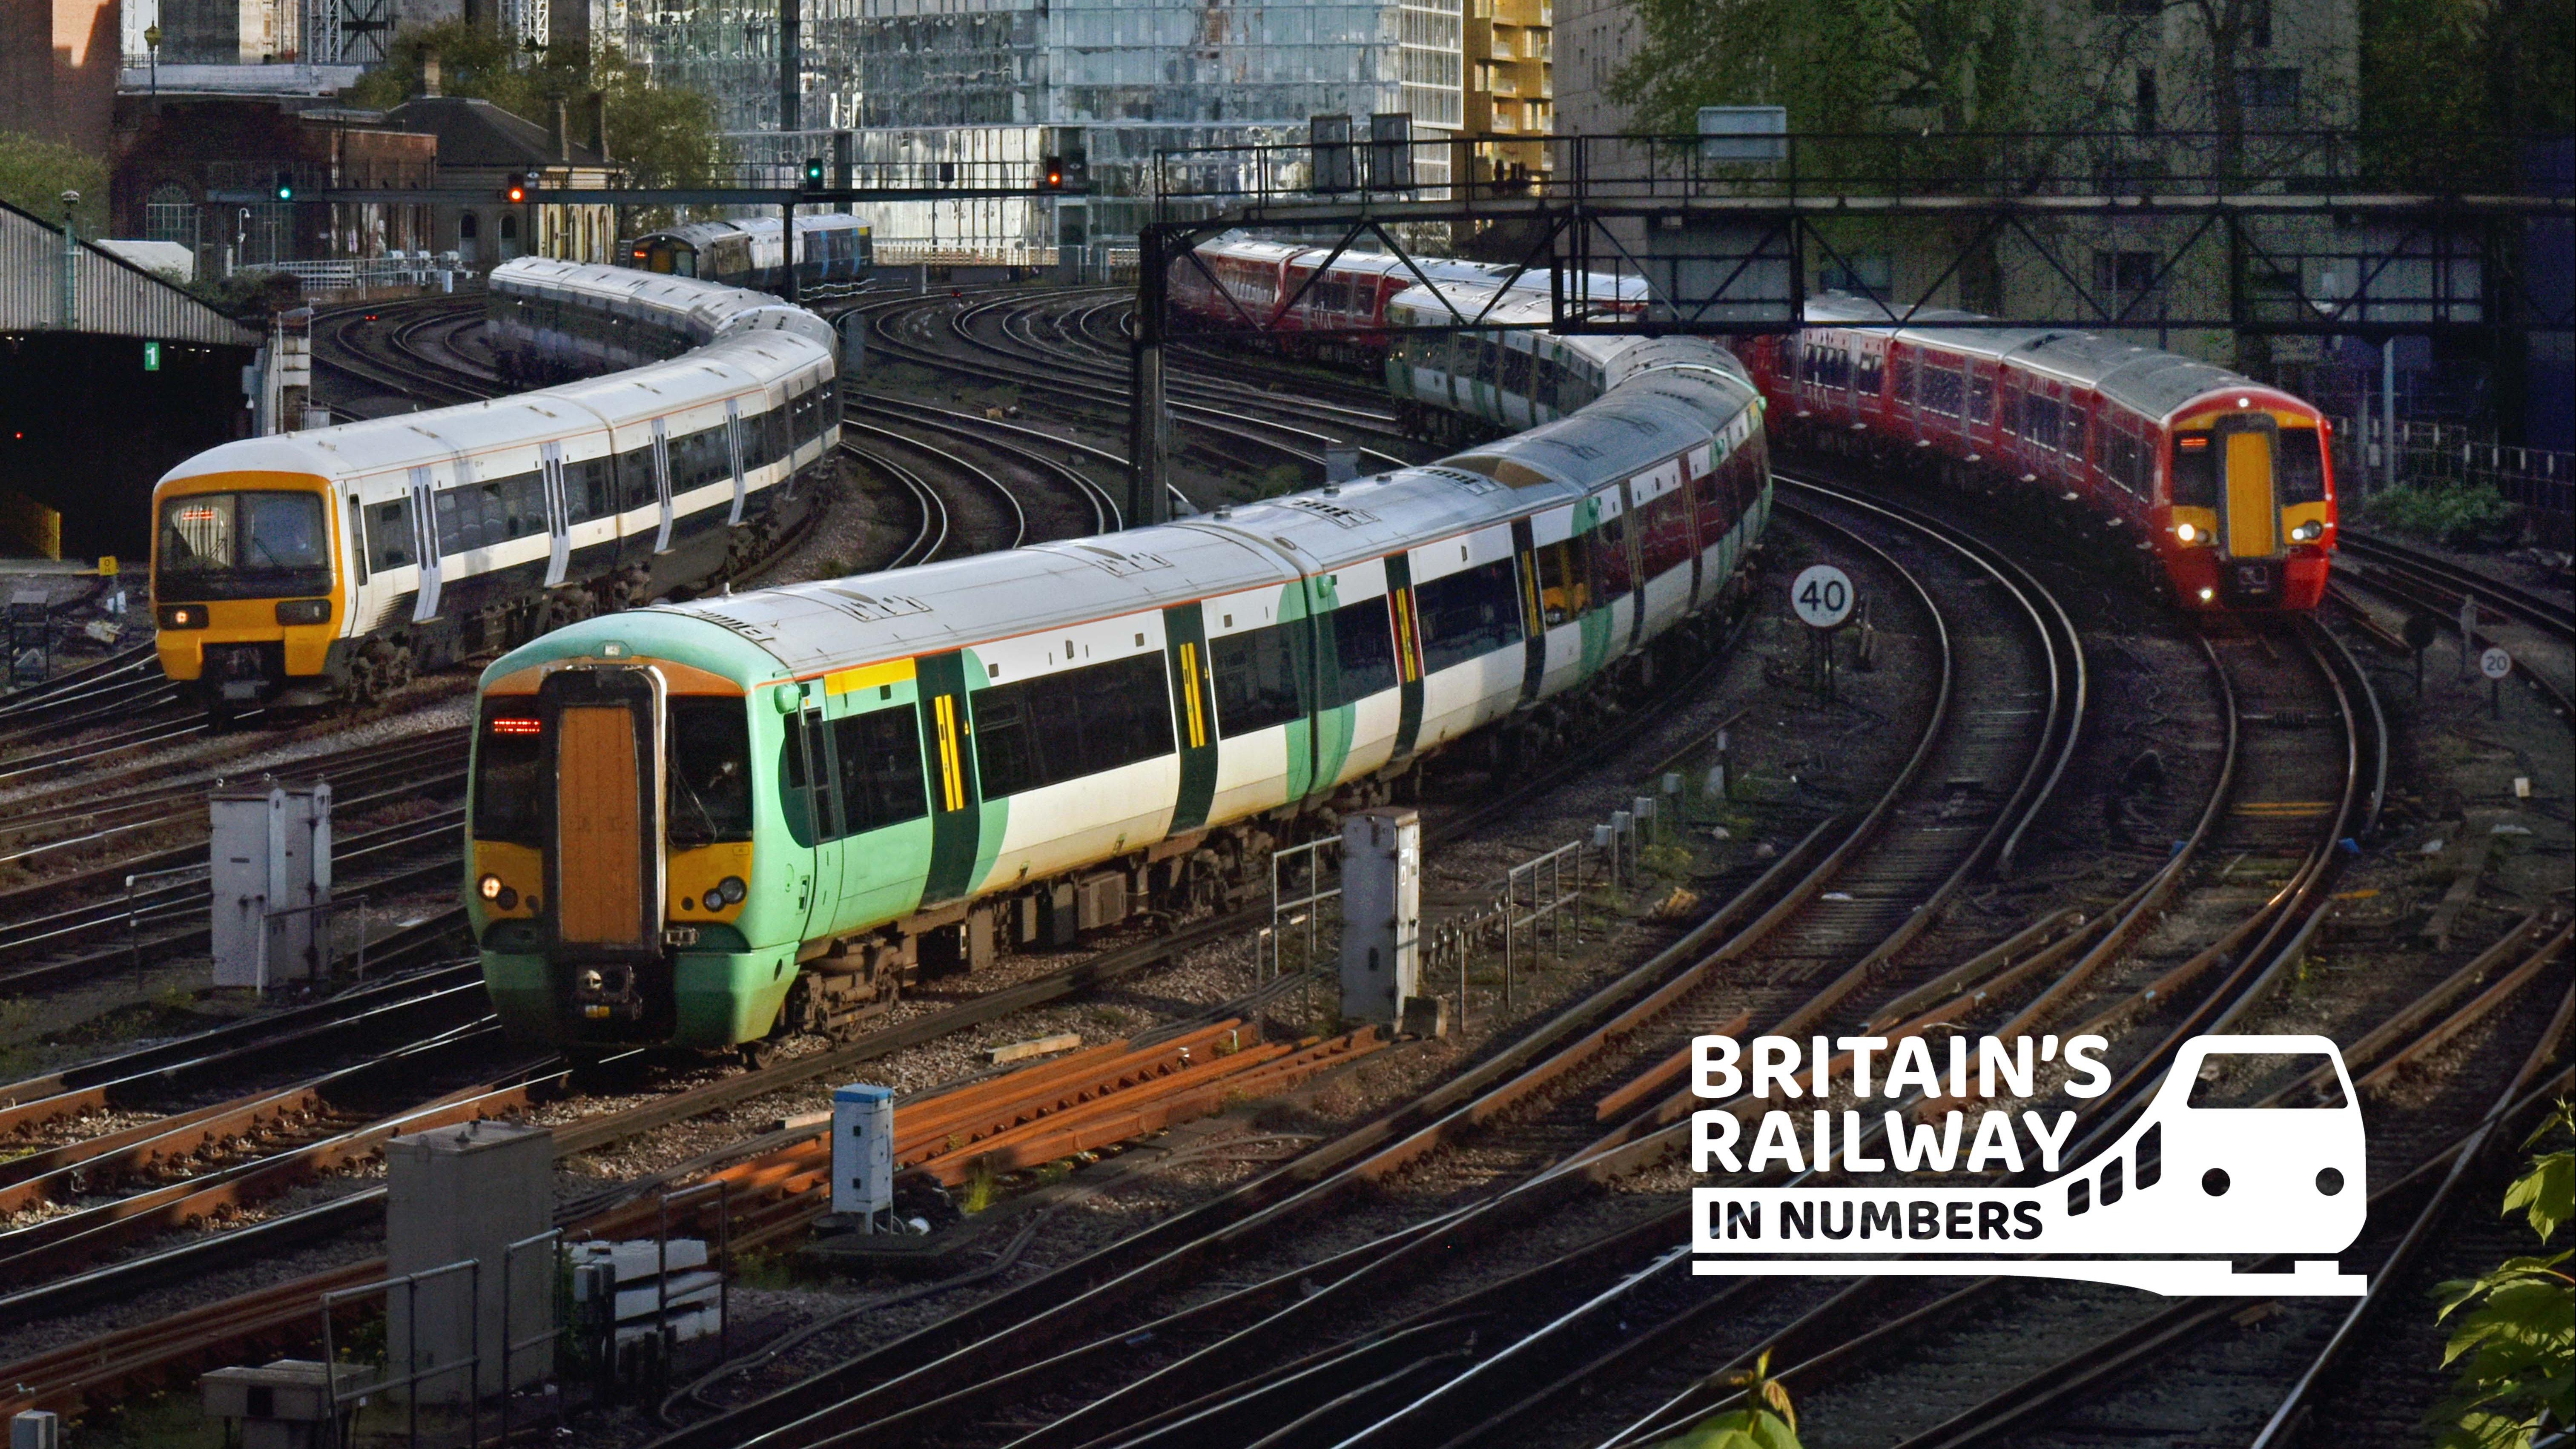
(2152, 382)
(699, 233)
(705, 310)
(844, 623)
(408, 440)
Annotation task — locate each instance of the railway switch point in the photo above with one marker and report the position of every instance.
(1381, 912)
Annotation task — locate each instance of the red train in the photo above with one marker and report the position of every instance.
(2227, 482)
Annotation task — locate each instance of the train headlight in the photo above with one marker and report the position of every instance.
(2208, 594)
(2309, 531)
(713, 900)
(2186, 532)
(304, 611)
(490, 886)
(183, 616)
(730, 889)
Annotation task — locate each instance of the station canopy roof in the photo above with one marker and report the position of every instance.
(110, 296)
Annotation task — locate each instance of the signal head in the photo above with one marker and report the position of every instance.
(814, 171)
(285, 187)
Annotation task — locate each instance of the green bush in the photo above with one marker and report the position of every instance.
(2461, 515)
(2513, 1347)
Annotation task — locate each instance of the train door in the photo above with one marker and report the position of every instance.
(733, 456)
(550, 473)
(424, 527)
(814, 794)
(662, 482)
(601, 795)
(948, 755)
(2249, 518)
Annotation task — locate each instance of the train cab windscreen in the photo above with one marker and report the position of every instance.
(710, 771)
(249, 545)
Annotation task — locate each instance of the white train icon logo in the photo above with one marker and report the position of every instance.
(2189, 1186)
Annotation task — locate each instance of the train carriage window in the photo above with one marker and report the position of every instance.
(1981, 398)
(1868, 372)
(1472, 612)
(389, 538)
(2299, 466)
(1608, 545)
(2040, 419)
(2195, 471)
(1516, 371)
(2013, 405)
(1905, 382)
(1259, 678)
(1713, 497)
(880, 759)
(2120, 456)
(509, 756)
(635, 479)
(797, 801)
(1058, 727)
(2076, 416)
(1364, 650)
(1564, 590)
(1944, 391)
(589, 490)
(710, 770)
(1666, 540)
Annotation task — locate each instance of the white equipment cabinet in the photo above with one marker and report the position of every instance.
(269, 863)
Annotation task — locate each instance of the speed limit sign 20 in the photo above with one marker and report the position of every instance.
(1822, 596)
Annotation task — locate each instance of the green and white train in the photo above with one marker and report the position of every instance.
(713, 823)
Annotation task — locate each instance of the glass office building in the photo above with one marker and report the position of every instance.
(1132, 76)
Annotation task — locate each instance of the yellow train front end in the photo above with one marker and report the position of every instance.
(248, 595)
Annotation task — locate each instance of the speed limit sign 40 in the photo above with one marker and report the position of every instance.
(1822, 596)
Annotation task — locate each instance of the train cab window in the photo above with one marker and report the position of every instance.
(1472, 612)
(710, 771)
(1259, 676)
(2299, 466)
(509, 755)
(1364, 651)
(242, 546)
(880, 759)
(2195, 471)
(2241, 1080)
(389, 541)
(1564, 590)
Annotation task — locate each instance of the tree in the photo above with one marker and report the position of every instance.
(34, 175)
(1838, 65)
(2515, 1346)
(661, 136)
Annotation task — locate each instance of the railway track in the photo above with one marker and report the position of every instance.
(2537, 629)
(961, 1380)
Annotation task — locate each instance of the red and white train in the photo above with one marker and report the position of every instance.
(1275, 286)
(2228, 483)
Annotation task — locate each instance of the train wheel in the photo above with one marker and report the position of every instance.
(366, 679)
(759, 1055)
